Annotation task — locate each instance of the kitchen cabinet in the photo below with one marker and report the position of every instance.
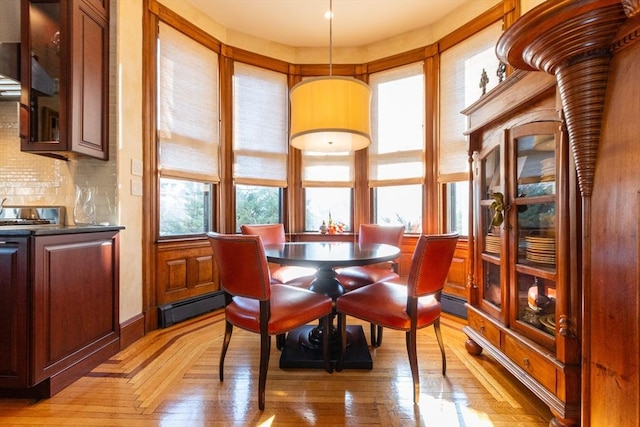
(13, 312)
(65, 78)
(60, 317)
(523, 306)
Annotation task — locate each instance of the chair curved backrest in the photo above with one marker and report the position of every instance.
(273, 234)
(373, 233)
(242, 265)
(252, 304)
(430, 263)
(270, 233)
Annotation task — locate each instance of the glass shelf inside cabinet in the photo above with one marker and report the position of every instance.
(536, 165)
(537, 302)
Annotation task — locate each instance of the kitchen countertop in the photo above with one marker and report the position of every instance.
(52, 229)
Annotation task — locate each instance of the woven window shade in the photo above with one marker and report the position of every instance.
(396, 153)
(188, 118)
(260, 140)
(460, 72)
(327, 169)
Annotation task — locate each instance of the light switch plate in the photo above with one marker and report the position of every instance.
(136, 167)
(136, 187)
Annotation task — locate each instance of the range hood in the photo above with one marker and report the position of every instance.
(41, 81)
(9, 50)
(10, 71)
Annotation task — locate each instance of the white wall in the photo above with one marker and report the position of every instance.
(126, 91)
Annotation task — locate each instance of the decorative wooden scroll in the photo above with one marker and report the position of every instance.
(571, 39)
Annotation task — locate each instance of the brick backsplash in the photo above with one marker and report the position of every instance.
(31, 179)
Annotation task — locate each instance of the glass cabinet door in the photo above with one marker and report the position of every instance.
(492, 294)
(45, 48)
(533, 223)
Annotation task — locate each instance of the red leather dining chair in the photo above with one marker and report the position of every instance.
(355, 277)
(405, 306)
(274, 233)
(253, 304)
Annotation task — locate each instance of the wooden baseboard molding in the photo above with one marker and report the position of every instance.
(131, 331)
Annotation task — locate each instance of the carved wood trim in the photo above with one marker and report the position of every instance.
(582, 85)
(631, 7)
(571, 39)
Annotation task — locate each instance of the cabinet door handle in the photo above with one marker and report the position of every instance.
(482, 330)
(526, 362)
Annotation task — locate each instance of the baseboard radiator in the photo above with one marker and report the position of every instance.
(178, 311)
(453, 305)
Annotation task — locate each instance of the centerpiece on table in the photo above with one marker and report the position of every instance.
(331, 226)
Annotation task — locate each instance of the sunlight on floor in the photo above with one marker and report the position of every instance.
(438, 412)
(268, 422)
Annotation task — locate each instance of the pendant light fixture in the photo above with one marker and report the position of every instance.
(330, 114)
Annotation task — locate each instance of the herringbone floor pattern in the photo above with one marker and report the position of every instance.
(170, 378)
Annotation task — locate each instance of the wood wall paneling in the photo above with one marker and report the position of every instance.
(613, 292)
(185, 270)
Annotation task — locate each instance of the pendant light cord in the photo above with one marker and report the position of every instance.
(330, 38)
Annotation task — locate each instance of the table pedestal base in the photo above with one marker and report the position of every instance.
(296, 355)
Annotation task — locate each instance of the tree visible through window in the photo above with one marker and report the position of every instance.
(257, 205)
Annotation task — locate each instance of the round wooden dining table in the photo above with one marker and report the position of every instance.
(326, 256)
(301, 345)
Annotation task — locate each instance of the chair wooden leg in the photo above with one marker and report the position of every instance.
(228, 330)
(326, 335)
(436, 326)
(342, 327)
(280, 341)
(411, 337)
(265, 349)
(376, 337)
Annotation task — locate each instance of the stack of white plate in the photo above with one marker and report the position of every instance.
(541, 249)
(492, 243)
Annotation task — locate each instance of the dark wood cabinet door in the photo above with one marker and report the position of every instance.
(75, 300)
(13, 312)
(89, 83)
(64, 101)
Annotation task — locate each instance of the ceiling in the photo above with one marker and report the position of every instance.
(301, 23)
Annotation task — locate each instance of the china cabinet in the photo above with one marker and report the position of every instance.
(65, 77)
(523, 294)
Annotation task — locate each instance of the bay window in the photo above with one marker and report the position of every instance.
(461, 68)
(396, 154)
(327, 180)
(260, 143)
(188, 136)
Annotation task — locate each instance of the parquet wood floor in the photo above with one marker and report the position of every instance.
(170, 378)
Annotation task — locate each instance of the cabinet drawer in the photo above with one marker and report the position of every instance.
(537, 366)
(485, 327)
